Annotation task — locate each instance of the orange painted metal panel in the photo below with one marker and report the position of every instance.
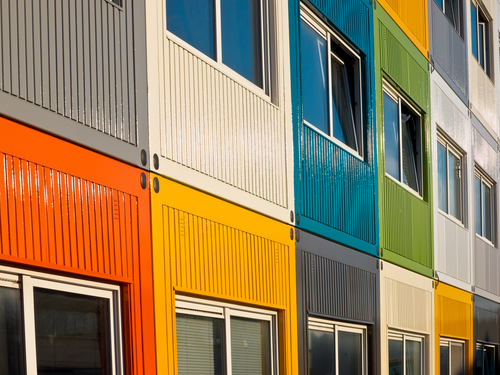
(453, 319)
(412, 17)
(68, 210)
(209, 248)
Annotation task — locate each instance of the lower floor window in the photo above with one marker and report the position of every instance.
(215, 338)
(336, 348)
(405, 354)
(485, 359)
(451, 357)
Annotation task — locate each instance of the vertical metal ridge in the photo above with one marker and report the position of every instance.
(455, 311)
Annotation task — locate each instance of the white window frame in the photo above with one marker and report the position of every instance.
(486, 180)
(460, 155)
(400, 336)
(398, 98)
(445, 341)
(13, 278)
(330, 36)
(224, 311)
(268, 32)
(325, 325)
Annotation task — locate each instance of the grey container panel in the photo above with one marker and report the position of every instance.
(449, 50)
(82, 60)
(486, 262)
(486, 320)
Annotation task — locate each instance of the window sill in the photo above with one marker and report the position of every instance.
(406, 187)
(488, 242)
(452, 218)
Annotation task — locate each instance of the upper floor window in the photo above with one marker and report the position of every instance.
(483, 202)
(235, 33)
(453, 10)
(331, 85)
(485, 359)
(480, 37)
(402, 141)
(451, 357)
(406, 354)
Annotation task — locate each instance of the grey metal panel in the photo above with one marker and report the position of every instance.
(21, 40)
(485, 154)
(486, 320)
(484, 133)
(486, 267)
(14, 56)
(30, 88)
(449, 50)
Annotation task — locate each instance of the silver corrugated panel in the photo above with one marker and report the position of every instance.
(483, 96)
(486, 270)
(219, 128)
(485, 156)
(74, 58)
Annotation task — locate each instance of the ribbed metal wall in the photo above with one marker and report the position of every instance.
(75, 58)
(453, 249)
(487, 322)
(487, 264)
(337, 187)
(483, 95)
(336, 289)
(449, 50)
(455, 317)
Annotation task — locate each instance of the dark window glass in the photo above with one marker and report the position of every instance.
(11, 332)
(321, 352)
(442, 180)
(444, 360)
(410, 143)
(454, 186)
(457, 359)
(486, 195)
(194, 22)
(477, 204)
(72, 333)
(473, 30)
(453, 11)
(489, 361)
(440, 3)
(413, 357)
(395, 357)
(481, 35)
(350, 353)
(391, 137)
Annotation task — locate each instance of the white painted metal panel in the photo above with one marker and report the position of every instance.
(485, 155)
(487, 265)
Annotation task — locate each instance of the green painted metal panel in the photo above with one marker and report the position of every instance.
(406, 229)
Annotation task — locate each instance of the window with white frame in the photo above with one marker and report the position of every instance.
(54, 325)
(453, 10)
(480, 37)
(484, 203)
(217, 338)
(451, 357)
(406, 354)
(331, 84)
(485, 359)
(336, 348)
(450, 185)
(402, 141)
(233, 33)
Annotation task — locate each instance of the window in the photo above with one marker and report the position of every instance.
(336, 348)
(483, 202)
(450, 185)
(480, 37)
(331, 85)
(485, 359)
(452, 357)
(453, 10)
(405, 354)
(53, 327)
(402, 141)
(234, 33)
(216, 338)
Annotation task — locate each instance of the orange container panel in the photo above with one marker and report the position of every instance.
(68, 210)
(208, 248)
(453, 320)
(412, 17)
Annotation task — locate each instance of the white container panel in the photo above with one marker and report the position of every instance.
(487, 265)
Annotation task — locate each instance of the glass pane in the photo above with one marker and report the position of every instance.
(344, 128)
(11, 332)
(72, 333)
(444, 360)
(486, 211)
(193, 22)
(451, 10)
(410, 143)
(242, 38)
(440, 3)
(489, 361)
(473, 31)
(200, 345)
(350, 348)
(442, 180)
(391, 137)
(454, 184)
(477, 204)
(314, 88)
(395, 357)
(250, 346)
(480, 42)
(479, 360)
(457, 359)
(321, 353)
(413, 357)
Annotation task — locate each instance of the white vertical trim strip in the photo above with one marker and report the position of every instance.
(29, 325)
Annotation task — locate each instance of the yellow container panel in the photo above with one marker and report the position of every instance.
(412, 17)
(453, 320)
(209, 248)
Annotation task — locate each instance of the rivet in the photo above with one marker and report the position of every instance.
(144, 181)
(156, 161)
(156, 185)
(144, 157)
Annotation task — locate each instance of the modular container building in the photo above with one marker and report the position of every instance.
(75, 252)
(486, 336)
(337, 308)
(77, 69)
(334, 150)
(404, 147)
(219, 100)
(221, 268)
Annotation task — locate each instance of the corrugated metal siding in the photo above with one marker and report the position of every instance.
(449, 49)
(485, 155)
(408, 307)
(336, 289)
(221, 129)
(337, 187)
(488, 324)
(406, 228)
(483, 96)
(412, 18)
(351, 17)
(455, 318)
(486, 267)
(75, 58)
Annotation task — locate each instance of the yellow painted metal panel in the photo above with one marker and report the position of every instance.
(453, 319)
(412, 17)
(209, 248)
